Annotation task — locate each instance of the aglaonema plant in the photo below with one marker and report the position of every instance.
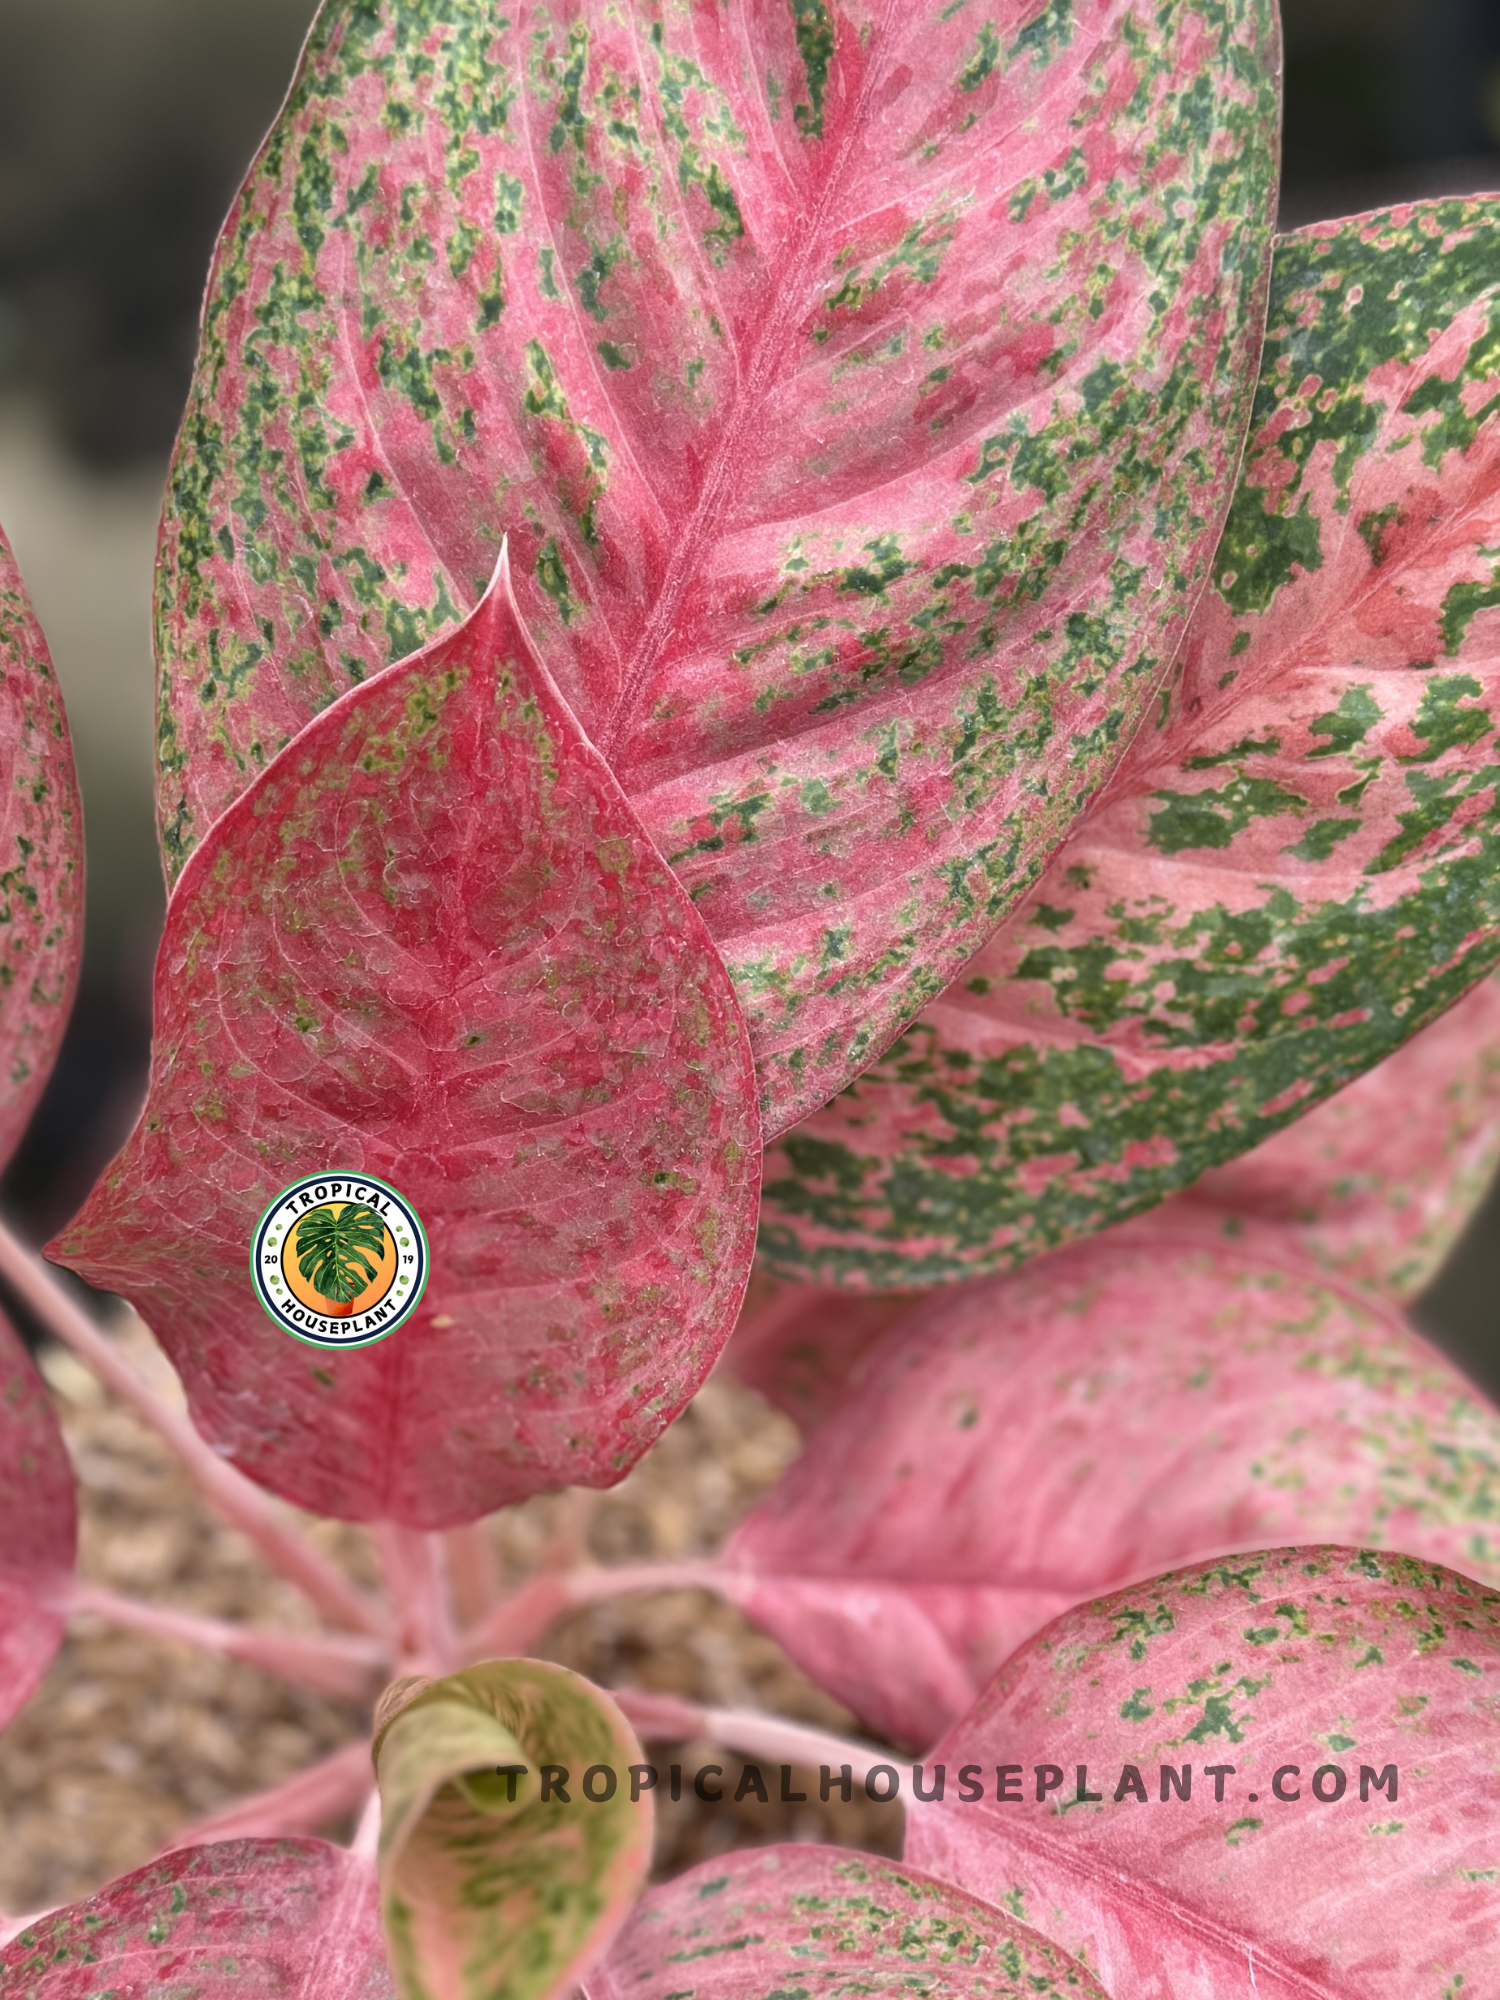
(714, 593)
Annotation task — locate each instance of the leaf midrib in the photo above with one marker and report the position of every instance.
(749, 395)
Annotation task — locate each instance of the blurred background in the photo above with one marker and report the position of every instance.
(124, 128)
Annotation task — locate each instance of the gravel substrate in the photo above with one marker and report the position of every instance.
(130, 1737)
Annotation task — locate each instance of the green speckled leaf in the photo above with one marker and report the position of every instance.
(41, 861)
(1377, 1183)
(240, 1920)
(485, 1894)
(1305, 1668)
(860, 387)
(1298, 864)
(432, 944)
(827, 1925)
(40, 1532)
(1373, 1186)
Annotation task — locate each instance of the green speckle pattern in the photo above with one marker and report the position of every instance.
(1297, 867)
(433, 944)
(280, 1916)
(811, 498)
(819, 1924)
(1361, 1686)
(41, 861)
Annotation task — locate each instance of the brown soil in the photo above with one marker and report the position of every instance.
(130, 1737)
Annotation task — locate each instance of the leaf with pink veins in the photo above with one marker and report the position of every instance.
(861, 384)
(41, 861)
(1147, 1398)
(821, 1923)
(432, 943)
(1372, 1678)
(240, 1920)
(40, 1534)
(1297, 864)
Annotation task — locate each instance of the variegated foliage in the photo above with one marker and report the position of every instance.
(432, 943)
(860, 386)
(1298, 864)
(1282, 1680)
(41, 941)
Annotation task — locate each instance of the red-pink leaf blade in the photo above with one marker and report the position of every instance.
(41, 860)
(241, 1920)
(40, 1534)
(1305, 1657)
(432, 943)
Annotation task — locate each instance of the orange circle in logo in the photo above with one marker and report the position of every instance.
(384, 1263)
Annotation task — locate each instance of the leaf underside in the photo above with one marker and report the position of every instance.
(1297, 865)
(1323, 1659)
(433, 944)
(860, 386)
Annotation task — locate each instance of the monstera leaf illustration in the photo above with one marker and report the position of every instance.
(331, 1247)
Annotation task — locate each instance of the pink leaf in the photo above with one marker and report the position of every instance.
(1296, 866)
(822, 1923)
(41, 861)
(1148, 1398)
(241, 1920)
(797, 1343)
(861, 386)
(1322, 1665)
(432, 943)
(40, 1531)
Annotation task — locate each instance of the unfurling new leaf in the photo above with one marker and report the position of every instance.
(500, 1880)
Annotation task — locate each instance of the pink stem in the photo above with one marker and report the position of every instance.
(413, 1565)
(746, 1730)
(516, 1624)
(345, 1667)
(366, 1841)
(233, 1496)
(299, 1805)
(473, 1577)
